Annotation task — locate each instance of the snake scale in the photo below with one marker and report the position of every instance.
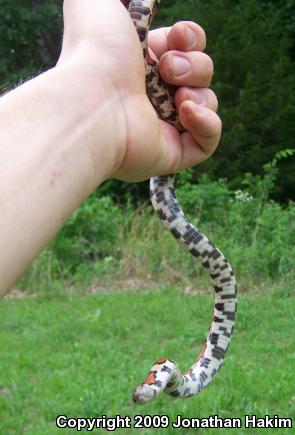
(165, 374)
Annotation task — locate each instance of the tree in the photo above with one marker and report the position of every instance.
(252, 44)
(254, 80)
(30, 35)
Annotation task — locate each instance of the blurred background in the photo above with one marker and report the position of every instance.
(242, 198)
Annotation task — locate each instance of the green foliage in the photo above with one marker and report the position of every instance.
(30, 32)
(262, 186)
(106, 242)
(90, 233)
(198, 200)
(252, 45)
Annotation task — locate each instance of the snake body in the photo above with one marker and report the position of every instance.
(165, 374)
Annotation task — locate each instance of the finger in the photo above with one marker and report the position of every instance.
(180, 151)
(183, 36)
(193, 68)
(203, 135)
(186, 36)
(202, 96)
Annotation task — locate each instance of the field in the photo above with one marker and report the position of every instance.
(81, 355)
(113, 292)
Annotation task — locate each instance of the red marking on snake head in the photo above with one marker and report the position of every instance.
(161, 360)
(150, 379)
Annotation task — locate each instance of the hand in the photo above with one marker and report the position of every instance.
(100, 42)
(89, 119)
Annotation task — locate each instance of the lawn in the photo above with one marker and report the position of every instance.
(82, 356)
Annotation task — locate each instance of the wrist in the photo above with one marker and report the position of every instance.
(96, 117)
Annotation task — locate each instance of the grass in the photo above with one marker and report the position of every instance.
(82, 356)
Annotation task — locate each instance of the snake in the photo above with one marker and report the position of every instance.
(165, 375)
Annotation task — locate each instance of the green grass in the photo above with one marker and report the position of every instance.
(82, 356)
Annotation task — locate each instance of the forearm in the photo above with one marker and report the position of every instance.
(45, 164)
(69, 129)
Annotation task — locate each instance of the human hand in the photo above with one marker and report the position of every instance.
(89, 119)
(102, 40)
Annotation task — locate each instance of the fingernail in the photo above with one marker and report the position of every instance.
(180, 65)
(190, 36)
(198, 97)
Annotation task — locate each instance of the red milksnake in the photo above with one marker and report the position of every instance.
(165, 375)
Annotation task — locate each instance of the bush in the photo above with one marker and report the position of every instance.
(90, 234)
(109, 242)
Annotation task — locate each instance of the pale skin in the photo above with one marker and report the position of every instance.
(88, 120)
